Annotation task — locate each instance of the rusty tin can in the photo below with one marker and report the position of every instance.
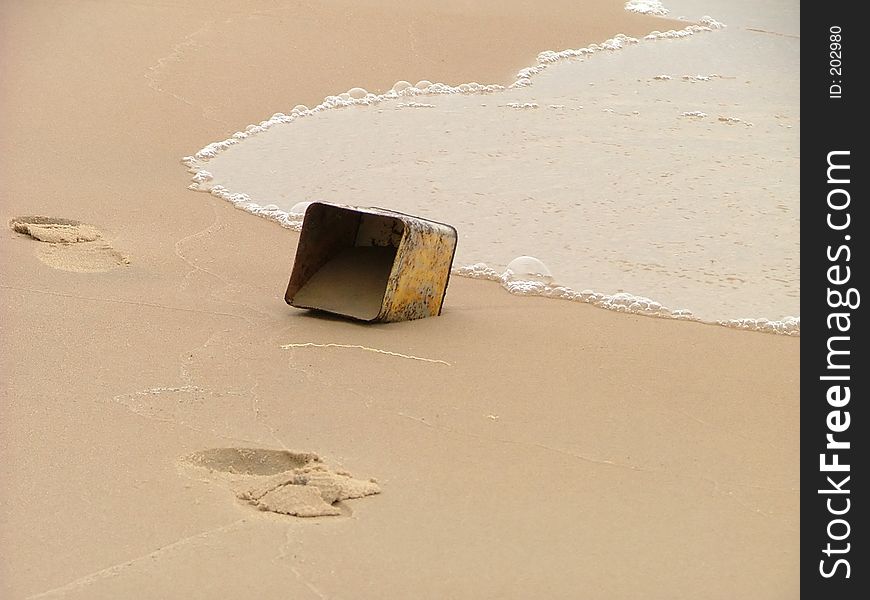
(371, 264)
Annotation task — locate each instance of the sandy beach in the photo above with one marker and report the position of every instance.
(521, 446)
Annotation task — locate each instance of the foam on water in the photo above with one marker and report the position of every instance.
(415, 105)
(646, 7)
(524, 275)
(534, 284)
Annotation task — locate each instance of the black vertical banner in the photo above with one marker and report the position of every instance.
(834, 224)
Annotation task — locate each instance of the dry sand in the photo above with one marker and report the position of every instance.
(524, 447)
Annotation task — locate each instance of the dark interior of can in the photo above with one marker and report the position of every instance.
(344, 261)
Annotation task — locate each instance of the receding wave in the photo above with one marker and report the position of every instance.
(616, 173)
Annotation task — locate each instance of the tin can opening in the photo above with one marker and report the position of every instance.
(344, 261)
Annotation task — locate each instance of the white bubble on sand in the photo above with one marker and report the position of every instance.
(299, 208)
(528, 268)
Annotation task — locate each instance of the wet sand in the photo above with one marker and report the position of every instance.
(697, 145)
(523, 446)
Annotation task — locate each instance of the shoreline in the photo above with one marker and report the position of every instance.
(625, 302)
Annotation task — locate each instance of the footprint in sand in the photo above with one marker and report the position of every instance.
(290, 483)
(70, 245)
